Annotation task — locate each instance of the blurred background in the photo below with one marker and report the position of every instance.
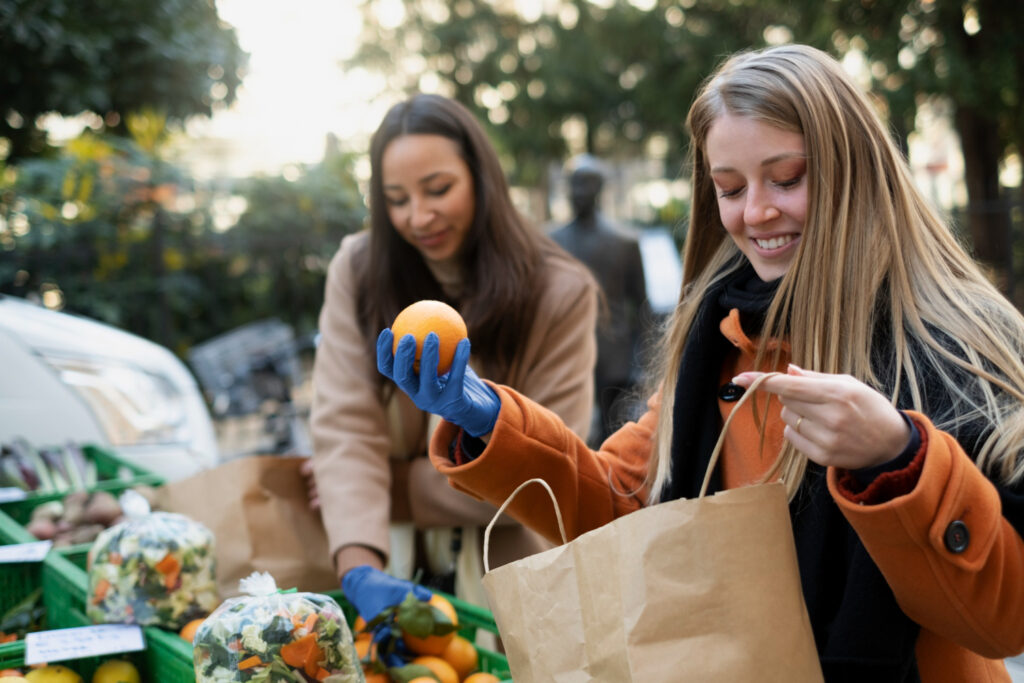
(184, 170)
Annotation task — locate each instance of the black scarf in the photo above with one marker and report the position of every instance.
(695, 409)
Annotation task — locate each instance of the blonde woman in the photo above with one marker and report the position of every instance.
(897, 425)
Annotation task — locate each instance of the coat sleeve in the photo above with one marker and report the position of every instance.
(555, 369)
(592, 487)
(556, 366)
(348, 422)
(953, 560)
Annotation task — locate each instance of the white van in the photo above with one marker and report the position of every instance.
(65, 377)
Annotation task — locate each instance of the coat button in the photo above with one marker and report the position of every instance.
(730, 392)
(957, 538)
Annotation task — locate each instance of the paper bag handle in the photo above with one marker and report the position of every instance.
(487, 531)
(721, 437)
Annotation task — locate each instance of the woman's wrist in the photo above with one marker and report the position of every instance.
(350, 556)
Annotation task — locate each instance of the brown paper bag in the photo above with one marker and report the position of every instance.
(258, 511)
(705, 589)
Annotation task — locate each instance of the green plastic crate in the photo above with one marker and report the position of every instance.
(471, 619)
(65, 587)
(12, 656)
(114, 475)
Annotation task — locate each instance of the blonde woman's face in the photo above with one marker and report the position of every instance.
(428, 190)
(760, 177)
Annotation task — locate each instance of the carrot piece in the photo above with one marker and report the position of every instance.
(295, 653)
(168, 565)
(8, 638)
(313, 657)
(321, 674)
(250, 662)
(310, 621)
(100, 591)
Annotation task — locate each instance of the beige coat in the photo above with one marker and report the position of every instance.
(368, 456)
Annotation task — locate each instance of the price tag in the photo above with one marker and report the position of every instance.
(25, 552)
(83, 641)
(9, 494)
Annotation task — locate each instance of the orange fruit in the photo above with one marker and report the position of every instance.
(423, 679)
(366, 647)
(188, 631)
(482, 678)
(461, 654)
(442, 669)
(433, 645)
(430, 316)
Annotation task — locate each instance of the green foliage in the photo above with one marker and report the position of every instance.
(127, 238)
(69, 57)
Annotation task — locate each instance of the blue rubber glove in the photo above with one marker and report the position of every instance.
(372, 591)
(458, 396)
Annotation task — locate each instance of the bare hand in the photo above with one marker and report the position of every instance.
(835, 420)
(306, 470)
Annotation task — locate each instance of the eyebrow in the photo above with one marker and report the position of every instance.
(422, 181)
(767, 162)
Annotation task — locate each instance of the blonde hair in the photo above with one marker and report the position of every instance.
(874, 256)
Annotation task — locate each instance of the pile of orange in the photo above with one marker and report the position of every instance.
(451, 658)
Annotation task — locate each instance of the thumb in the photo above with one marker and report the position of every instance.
(797, 371)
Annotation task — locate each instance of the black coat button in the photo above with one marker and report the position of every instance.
(957, 538)
(730, 392)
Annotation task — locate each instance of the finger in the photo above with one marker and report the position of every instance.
(385, 359)
(791, 388)
(429, 358)
(457, 374)
(405, 358)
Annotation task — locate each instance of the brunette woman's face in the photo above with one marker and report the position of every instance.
(760, 177)
(428, 190)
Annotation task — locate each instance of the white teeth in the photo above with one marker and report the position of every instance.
(775, 242)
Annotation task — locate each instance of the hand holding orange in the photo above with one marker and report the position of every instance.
(427, 316)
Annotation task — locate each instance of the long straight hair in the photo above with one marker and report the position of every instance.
(875, 260)
(500, 261)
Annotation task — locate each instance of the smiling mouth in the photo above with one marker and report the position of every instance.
(432, 238)
(774, 242)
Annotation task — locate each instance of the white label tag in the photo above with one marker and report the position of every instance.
(83, 641)
(9, 494)
(25, 552)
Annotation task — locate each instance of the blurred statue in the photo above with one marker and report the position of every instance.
(614, 257)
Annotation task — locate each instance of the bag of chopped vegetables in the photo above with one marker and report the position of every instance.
(269, 636)
(152, 569)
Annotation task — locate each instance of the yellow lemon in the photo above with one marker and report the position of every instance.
(116, 671)
(54, 673)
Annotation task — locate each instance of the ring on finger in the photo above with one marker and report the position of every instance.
(798, 421)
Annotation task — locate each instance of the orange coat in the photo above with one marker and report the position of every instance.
(968, 603)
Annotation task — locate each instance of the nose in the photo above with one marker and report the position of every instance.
(759, 208)
(420, 212)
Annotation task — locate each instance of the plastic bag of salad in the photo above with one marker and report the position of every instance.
(152, 569)
(267, 635)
